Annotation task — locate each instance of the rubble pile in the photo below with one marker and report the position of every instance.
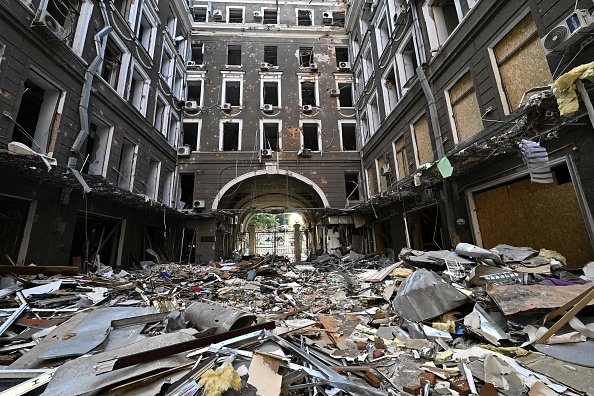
(507, 321)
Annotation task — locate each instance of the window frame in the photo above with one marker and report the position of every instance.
(228, 14)
(319, 133)
(197, 121)
(340, 129)
(388, 106)
(232, 77)
(308, 79)
(266, 77)
(122, 79)
(152, 19)
(145, 90)
(277, 121)
(164, 123)
(311, 16)
(221, 133)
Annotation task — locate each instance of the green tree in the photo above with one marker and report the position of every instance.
(263, 220)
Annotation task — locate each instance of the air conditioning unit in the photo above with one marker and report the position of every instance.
(335, 92)
(226, 107)
(568, 31)
(307, 108)
(400, 10)
(385, 169)
(313, 66)
(267, 108)
(191, 64)
(266, 66)
(306, 153)
(43, 18)
(217, 15)
(198, 204)
(344, 65)
(183, 151)
(266, 153)
(327, 17)
(191, 105)
(258, 15)
(29, 4)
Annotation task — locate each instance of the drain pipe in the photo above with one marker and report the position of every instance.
(83, 107)
(447, 188)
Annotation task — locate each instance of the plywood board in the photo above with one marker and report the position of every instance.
(423, 140)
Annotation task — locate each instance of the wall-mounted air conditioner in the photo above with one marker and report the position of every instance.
(344, 66)
(258, 15)
(307, 108)
(335, 92)
(267, 108)
(266, 153)
(568, 31)
(306, 153)
(327, 17)
(264, 66)
(385, 170)
(44, 18)
(217, 15)
(183, 151)
(191, 64)
(226, 107)
(400, 6)
(191, 105)
(198, 204)
(313, 66)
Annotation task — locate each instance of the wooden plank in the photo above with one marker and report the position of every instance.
(34, 270)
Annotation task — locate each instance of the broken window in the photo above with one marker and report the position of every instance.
(305, 56)
(271, 54)
(465, 114)
(365, 128)
(367, 65)
(310, 134)
(304, 17)
(338, 18)
(442, 18)
(97, 148)
(66, 14)
(195, 91)
(232, 93)
(178, 84)
(200, 14)
(173, 131)
(161, 112)
(126, 165)
(152, 180)
(138, 92)
(360, 83)
(36, 121)
(521, 62)
(186, 194)
(348, 136)
(270, 17)
(146, 30)
(234, 55)
(356, 47)
(383, 172)
(271, 135)
(390, 91)
(345, 97)
(401, 159)
(270, 94)
(342, 55)
(112, 63)
(167, 66)
(234, 15)
(351, 186)
(422, 141)
(122, 6)
(370, 182)
(407, 62)
(308, 93)
(191, 134)
(198, 53)
(171, 24)
(231, 132)
(167, 177)
(382, 35)
(375, 115)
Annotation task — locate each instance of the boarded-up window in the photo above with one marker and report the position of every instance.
(370, 183)
(521, 61)
(383, 173)
(422, 139)
(401, 158)
(465, 109)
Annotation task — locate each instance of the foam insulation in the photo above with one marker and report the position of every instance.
(564, 88)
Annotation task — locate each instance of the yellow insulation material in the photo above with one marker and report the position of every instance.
(217, 382)
(564, 88)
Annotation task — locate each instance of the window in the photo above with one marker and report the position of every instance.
(127, 165)
(401, 159)
(383, 172)
(271, 93)
(2, 50)
(310, 135)
(367, 64)
(178, 83)
(167, 177)
(171, 24)
(463, 108)
(173, 131)
(67, 15)
(305, 56)
(348, 135)
(370, 182)
(235, 14)
(191, 135)
(304, 17)
(230, 135)
(146, 30)
(200, 14)
(270, 17)
(113, 62)
(510, 59)
(138, 91)
(167, 65)
(382, 35)
(364, 26)
(374, 115)
(122, 6)
(161, 115)
(338, 18)
(345, 96)
(152, 180)
(365, 128)
(270, 133)
(407, 62)
(441, 20)
(234, 55)
(360, 83)
(270, 55)
(389, 89)
(38, 117)
(356, 47)
(422, 141)
(96, 154)
(195, 91)
(232, 92)
(198, 53)
(186, 190)
(342, 55)
(351, 186)
(308, 91)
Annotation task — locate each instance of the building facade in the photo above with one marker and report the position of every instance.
(91, 98)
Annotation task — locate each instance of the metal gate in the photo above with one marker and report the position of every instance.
(280, 243)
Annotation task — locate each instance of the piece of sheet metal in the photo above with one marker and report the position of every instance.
(581, 353)
(203, 316)
(15, 315)
(468, 250)
(32, 384)
(91, 332)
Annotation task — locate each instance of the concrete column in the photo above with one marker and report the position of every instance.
(252, 240)
(297, 243)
